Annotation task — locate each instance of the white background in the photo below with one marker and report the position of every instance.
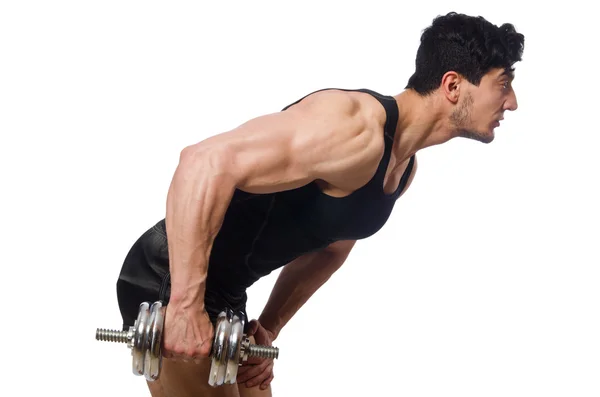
(483, 283)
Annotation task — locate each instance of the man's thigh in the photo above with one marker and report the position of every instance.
(183, 379)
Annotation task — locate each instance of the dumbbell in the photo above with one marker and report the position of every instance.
(230, 347)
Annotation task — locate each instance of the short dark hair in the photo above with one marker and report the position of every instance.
(468, 45)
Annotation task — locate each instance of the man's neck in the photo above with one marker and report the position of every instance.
(422, 122)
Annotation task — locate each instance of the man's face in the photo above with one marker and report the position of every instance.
(480, 108)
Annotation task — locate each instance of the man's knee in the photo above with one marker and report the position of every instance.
(254, 391)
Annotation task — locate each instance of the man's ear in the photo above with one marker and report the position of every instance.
(451, 84)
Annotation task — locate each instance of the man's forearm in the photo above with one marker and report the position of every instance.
(196, 204)
(296, 283)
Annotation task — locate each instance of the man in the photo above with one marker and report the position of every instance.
(296, 189)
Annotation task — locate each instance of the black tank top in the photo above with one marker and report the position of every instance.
(262, 232)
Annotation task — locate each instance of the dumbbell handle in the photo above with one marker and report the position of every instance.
(111, 335)
(108, 335)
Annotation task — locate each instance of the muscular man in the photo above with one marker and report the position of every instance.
(296, 189)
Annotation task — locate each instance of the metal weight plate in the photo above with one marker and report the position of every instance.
(217, 368)
(138, 344)
(233, 348)
(154, 332)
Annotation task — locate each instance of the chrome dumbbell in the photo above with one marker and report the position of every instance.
(230, 348)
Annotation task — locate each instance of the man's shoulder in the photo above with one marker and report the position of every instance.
(347, 95)
(340, 104)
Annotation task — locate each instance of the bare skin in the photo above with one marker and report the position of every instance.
(188, 379)
(333, 137)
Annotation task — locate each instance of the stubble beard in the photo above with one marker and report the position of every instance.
(461, 121)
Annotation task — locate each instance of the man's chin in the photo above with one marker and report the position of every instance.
(486, 137)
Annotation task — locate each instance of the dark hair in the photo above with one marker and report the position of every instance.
(470, 46)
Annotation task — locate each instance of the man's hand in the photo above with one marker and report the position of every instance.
(188, 332)
(257, 371)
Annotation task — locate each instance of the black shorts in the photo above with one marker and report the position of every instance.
(145, 277)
